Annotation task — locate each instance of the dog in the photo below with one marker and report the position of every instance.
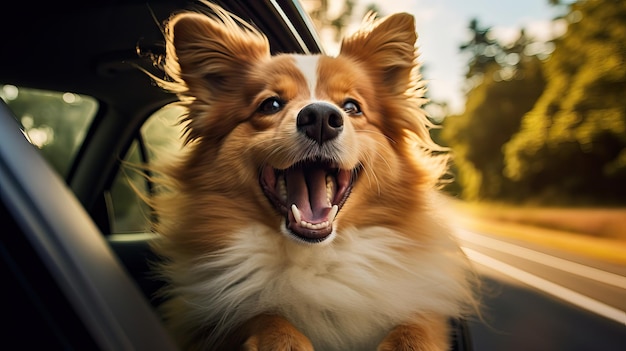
(303, 212)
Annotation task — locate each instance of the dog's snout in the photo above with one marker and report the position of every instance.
(320, 121)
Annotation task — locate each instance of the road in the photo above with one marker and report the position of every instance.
(537, 298)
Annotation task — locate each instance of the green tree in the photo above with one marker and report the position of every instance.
(55, 122)
(482, 49)
(572, 145)
(322, 17)
(504, 83)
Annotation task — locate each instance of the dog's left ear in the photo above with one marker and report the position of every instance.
(387, 47)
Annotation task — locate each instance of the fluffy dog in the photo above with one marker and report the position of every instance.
(303, 212)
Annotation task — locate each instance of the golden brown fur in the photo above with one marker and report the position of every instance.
(225, 244)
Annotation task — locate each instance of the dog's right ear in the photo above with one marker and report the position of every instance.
(387, 48)
(206, 51)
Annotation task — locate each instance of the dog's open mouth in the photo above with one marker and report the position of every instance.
(309, 194)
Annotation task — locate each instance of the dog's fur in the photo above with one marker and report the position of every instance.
(387, 274)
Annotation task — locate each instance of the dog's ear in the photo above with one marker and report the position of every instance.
(209, 50)
(387, 48)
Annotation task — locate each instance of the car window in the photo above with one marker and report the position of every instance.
(55, 122)
(159, 135)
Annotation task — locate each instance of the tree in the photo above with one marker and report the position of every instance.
(322, 17)
(572, 145)
(504, 84)
(55, 122)
(482, 49)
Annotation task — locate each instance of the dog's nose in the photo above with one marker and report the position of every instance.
(320, 121)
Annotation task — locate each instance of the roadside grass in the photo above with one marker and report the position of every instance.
(608, 223)
(593, 232)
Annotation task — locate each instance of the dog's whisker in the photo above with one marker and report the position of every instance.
(381, 144)
(378, 133)
(371, 176)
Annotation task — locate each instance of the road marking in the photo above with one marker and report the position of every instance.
(549, 287)
(545, 259)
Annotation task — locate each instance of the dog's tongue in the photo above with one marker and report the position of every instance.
(306, 188)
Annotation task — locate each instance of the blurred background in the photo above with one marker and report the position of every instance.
(530, 96)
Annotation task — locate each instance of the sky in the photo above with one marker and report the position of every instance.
(442, 27)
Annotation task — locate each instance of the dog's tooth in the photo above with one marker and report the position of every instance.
(330, 185)
(282, 189)
(296, 213)
(316, 226)
(332, 214)
(298, 217)
(329, 180)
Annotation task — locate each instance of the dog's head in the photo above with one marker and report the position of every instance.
(303, 142)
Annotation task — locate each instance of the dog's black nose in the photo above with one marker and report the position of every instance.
(320, 121)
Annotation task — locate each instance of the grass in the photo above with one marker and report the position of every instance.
(594, 232)
(609, 223)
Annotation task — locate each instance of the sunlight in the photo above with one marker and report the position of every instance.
(69, 98)
(41, 136)
(10, 92)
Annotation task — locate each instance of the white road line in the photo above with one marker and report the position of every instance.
(549, 287)
(551, 261)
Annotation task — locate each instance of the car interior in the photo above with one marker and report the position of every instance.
(61, 266)
(74, 248)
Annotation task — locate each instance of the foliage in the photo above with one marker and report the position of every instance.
(482, 48)
(504, 84)
(572, 145)
(55, 122)
(549, 130)
(322, 17)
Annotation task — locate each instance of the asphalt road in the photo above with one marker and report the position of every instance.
(536, 298)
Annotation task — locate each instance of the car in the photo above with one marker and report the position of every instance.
(79, 107)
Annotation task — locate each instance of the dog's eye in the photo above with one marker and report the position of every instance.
(271, 106)
(352, 108)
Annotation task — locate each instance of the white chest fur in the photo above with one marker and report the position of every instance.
(344, 296)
